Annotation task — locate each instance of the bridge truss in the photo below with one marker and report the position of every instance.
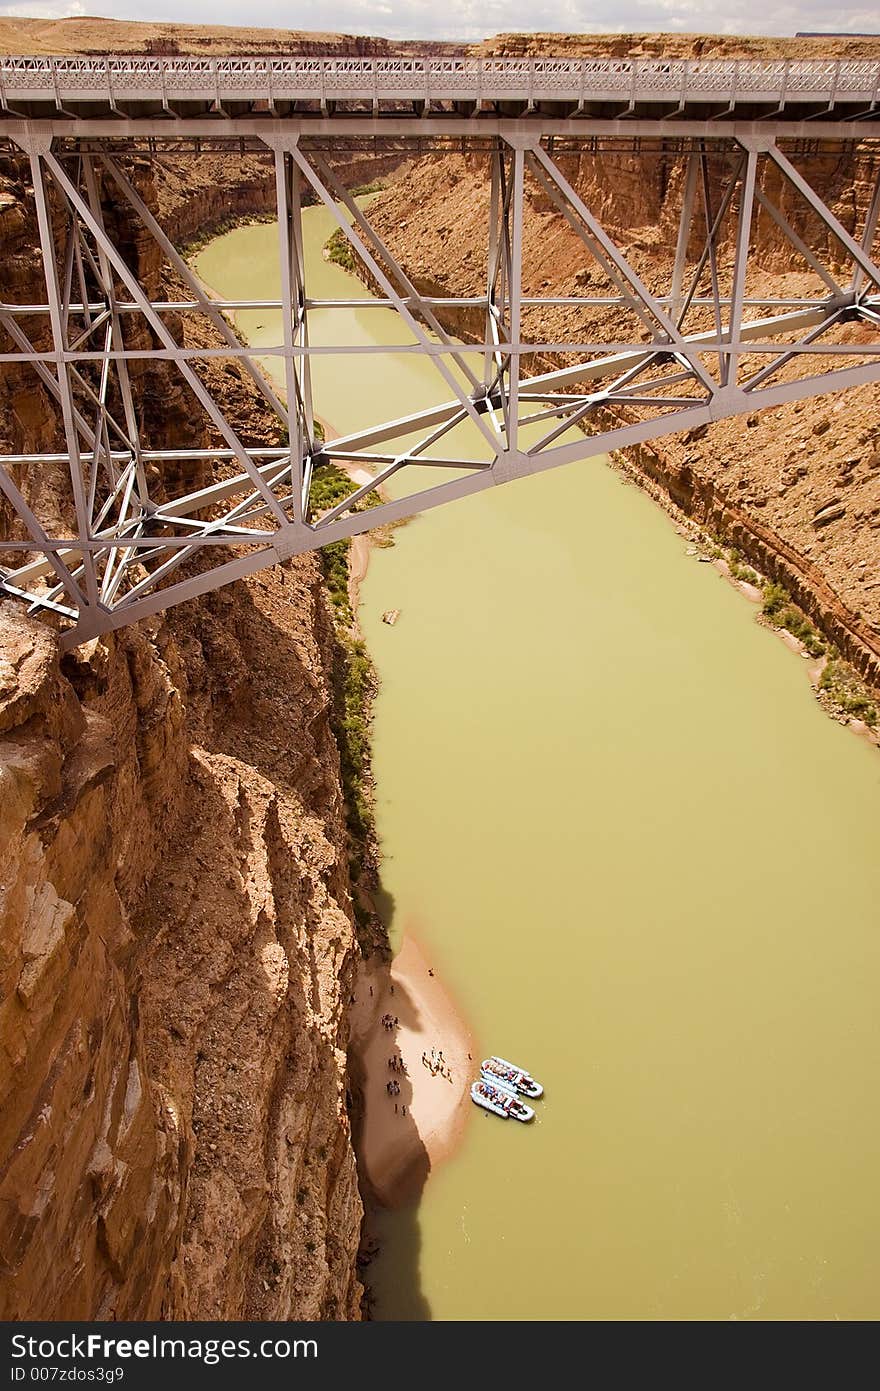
(710, 341)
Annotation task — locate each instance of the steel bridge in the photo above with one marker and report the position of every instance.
(739, 141)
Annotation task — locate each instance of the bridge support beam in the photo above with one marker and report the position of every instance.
(706, 342)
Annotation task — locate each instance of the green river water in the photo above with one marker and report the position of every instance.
(646, 865)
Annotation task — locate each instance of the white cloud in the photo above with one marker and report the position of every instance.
(33, 9)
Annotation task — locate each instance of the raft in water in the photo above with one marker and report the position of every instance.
(500, 1072)
(500, 1102)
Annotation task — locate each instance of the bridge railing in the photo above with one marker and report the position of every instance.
(442, 78)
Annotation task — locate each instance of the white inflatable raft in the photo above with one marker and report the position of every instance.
(500, 1102)
(500, 1072)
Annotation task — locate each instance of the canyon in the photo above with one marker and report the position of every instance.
(176, 918)
(178, 937)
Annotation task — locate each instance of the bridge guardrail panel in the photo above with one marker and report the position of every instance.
(443, 78)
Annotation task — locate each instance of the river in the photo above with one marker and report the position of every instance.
(645, 863)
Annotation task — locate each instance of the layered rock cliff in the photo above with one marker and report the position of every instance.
(177, 941)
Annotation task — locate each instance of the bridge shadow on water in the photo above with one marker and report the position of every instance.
(391, 1250)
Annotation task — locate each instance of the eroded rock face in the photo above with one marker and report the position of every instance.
(177, 953)
(87, 1153)
(177, 947)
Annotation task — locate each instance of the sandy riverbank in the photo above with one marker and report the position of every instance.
(403, 1136)
(397, 1150)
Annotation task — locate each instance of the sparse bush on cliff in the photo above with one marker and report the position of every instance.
(338, 250)
(354, 686)
(844, 690)
(778, 609)
(330, 485)
(840, 685)
(361, 190)
(740, 571)
(205, 235)
(334, 562)
(774, 599)
(354, 693)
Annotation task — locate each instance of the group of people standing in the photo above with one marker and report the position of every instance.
(437, 1064)
(396, 1064)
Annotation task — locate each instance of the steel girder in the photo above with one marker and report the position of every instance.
(702, 347)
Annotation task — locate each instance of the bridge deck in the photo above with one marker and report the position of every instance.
(115, 86)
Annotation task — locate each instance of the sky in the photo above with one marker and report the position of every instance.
(475, 19)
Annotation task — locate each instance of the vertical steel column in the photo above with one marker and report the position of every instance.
(178, 264)
(492, 257)
(684, 235)
(743, 237)
(117, 338)
(161, 330)
(301, 326)
(66, 294)
(286, 253)
(390, 290)
(516, 256)
(56, 318)
(713, 225)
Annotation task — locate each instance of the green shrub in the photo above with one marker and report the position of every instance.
(354, 688)
(340, 251)
(334, 562)
(740, 571)
(330, 485)
(778, 609)
(774, 599)
(844, 688)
